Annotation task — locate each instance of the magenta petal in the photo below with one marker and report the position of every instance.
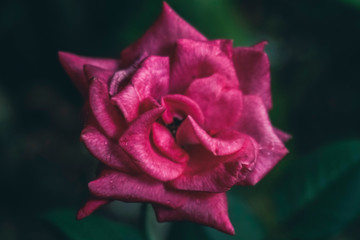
(255, 122)
(129, 188)
(226, 45)
(106, 114)
(224, 143)
(220, 104)
(162, 35)
(128, 101)
(253, 71)
(90, 206)
(209, 173)
(73, 65)
(260, 46)
(284, 137)
(166, 144)
(152, 78)
(121, 77)
(180, 106)
(199, 59)
(105, 150)
(207, 209)
(136, 142)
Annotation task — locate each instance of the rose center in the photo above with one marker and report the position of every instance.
(174, 126)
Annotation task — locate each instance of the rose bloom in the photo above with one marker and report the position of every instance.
(177, 121)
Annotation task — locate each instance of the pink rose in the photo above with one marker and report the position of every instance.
(177, 121)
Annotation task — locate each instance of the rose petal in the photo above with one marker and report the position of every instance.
(220, 104)
(199, 59)
(90, 206)
(166, 144)
(260, 46)
(223, 143)
(209, 173)
(120, 77)
(152, 78)
(148, 104)
(129, 188)
(180, 106)
(284, 137)
(255, 122)
(208, 209)
(107, 151)
(226, 45)
(162, 35)
(106, 114)
(73, 65)
(128, 101)
(253, 71)
(136, 142)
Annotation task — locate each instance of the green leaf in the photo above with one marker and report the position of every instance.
(93, 227)
(154, 229)
(320, 193)
(246, 224)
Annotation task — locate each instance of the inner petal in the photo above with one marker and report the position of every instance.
(220, 103)
(136, 142)
(223, 143)
(165, 143)
(199, 59)
(178, 107)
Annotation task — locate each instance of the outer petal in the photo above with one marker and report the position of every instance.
(253, 71)
(106, 114)
(199, 59)
(208, 209)
(136, 142)
(90, 206)
(166, 144)
(220, 104)
(128, 188)
(255, 122)
(223, 143)
(282, 135)
(73, 65)
(107, 151)
(181, 106)
(209, 173)
(162, 35)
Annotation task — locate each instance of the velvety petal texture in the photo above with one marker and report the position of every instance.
(90, 206)
(199, 59)
(106, 114)
(209, 209)
(177, 121)
(161, 36)
(107, 150)
(138, 188)
(253, 71)
(255, 122)
(136, 141)
(220, 103)
(74, 64)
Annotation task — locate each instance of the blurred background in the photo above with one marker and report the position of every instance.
(314, 193)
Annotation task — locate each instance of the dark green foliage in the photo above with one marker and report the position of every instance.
(92, 228)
